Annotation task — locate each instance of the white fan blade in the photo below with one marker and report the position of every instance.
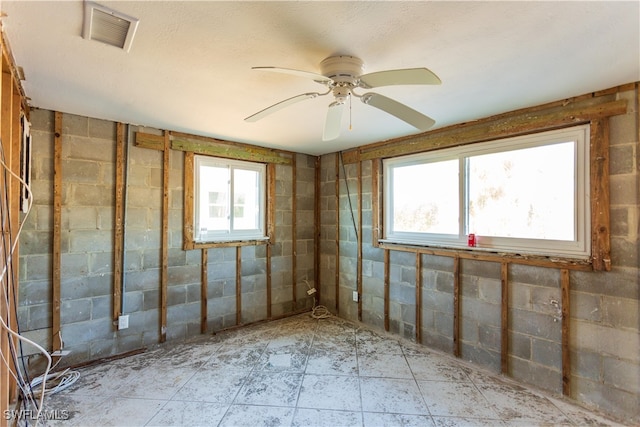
(409, 76)
(306, 74)
(333, 122)
(401, 111)
(280, 105)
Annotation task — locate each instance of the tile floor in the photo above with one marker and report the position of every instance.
(306, 372)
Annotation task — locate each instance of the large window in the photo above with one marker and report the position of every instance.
(229, 200)
(526, 195)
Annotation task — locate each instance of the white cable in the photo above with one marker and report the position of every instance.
(42, 350)
(67, 378)
(8, 261)
(29, 203)
(318, 311)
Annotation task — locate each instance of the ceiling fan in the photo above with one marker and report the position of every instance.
(341, 75)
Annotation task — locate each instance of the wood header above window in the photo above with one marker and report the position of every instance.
(593, 109)
(214, 147)
(568, 112)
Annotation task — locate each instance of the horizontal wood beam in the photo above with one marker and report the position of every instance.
(539, 261)
(215, 147)
(521, 122)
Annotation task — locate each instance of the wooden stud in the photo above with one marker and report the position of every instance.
(271, 202)
(187, 207)
(57, 226)
(376, 206)
(504, 318)
(14, 207)
(316, 234)
(600, 214)
(271, 228)
(269, 284)
(118, 226)
(418, 298)
(456, 306)
(294, 250)
(164, 272)
(566, 350)
(359, 231)
(337, 201)
(387, 286)
(238, 285)
(6, 379)
(10, 207)
(204, 290)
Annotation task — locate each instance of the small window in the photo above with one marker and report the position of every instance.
(229, 200)
(521, 195)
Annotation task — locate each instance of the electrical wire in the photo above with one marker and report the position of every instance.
(318, 311)
(346, 184)
(8, 251)
(60, 380)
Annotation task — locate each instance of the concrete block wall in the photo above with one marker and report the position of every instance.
(604, 306)
(87, 249)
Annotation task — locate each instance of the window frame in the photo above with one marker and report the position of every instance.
(580, 248)
(233, 236)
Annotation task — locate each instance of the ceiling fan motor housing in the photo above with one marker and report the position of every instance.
(345, 73)
(343, 69)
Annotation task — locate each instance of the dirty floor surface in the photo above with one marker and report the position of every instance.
(306, 372)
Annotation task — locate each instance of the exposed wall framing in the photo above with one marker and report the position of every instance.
(594, 109)
(13, 105)
(57, 226)
(294, 248)
(118, 238)
(192, 145)
(164, 250)
(337, 235)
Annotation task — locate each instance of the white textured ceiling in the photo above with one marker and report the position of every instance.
(189, 68)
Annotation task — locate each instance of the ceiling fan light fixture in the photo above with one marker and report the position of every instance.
(108, 26)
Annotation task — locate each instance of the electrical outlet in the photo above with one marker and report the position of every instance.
(123, 321)
(311, 291)
(355, 296)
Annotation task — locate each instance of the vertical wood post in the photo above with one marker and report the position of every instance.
(57, 225)
(118, 226)
(294, 246)
(387, 285)
(271, 234)
(375, 201)
(337, 201)
(164, 273)
(359, 237)
(566, 351)
(316, 230)
(600, 211)
(238, 284)
(504, 318)
(456, 306)
(269, 284)
(418, 297)
(204, 290)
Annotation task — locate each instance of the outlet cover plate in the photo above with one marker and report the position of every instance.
(123, 321)
(355, 296)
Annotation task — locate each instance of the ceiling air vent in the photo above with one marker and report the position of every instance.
(108, 26)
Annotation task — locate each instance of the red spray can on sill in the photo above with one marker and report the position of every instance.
(471, 240)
